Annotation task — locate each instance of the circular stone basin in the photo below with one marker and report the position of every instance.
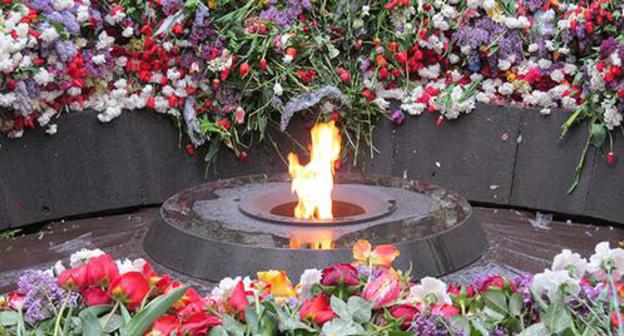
(243, 225)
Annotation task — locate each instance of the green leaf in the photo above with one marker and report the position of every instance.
(8, 318)
(232, 326)
(460, 323)
(113, 323)
(218, 331)
(90, 324)
(516, 303)
(598, 134)
(556, 318)
(359, 309)
(141, 322)
(538, 329)
(342, 327)
(340, 308)
(497, 301)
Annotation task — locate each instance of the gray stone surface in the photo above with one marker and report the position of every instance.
(545, 164)
(473, 155)
(605, 198)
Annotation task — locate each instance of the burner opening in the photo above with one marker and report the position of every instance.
(340, 209)
(351, 204)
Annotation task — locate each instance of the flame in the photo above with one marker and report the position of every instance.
(314, 182)
(315, 240)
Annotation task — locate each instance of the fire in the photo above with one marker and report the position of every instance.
(315, 240)
(313, 183)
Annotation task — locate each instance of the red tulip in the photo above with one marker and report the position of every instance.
(401, 57)
(238, 299)
(199, 324)
(406, 312)
(244, 69)
(317, 310)
(263, 65)
(610, 158)
(94, 296)
(101, 271)
(164, 326)
(617, 318)
(73, 278)
(383, 290)
(15, 301)
(340, 274)
(129, 289)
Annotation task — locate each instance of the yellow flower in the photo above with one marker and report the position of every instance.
(3, 301)
(264, 2)
(212, 4)
(279, 283)
(495, 12)
(511, 76)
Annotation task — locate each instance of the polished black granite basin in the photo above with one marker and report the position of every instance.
(209, 231)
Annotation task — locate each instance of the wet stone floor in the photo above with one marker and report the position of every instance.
(514, 244)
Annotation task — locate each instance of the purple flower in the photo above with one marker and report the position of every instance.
(397, 117)
(432, 325)
(65, 50)
(42, 296)
(171, 6)
(534, 5)
(607, 47)
(286, 17)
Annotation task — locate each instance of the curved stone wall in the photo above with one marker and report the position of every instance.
(499, 155)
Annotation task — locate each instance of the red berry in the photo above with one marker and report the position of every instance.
(439, 121)
(610, 158)
(190, 150)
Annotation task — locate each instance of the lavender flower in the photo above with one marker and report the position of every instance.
(286, 17)
(171, 6)
(607, 47)
(42, 296)
(432, 325)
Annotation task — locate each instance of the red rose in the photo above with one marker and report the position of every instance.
(129, 289)
(317, 310)
(340, 274)
(406, 312)
(94, 296)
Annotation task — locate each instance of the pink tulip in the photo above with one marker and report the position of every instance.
(383, 290)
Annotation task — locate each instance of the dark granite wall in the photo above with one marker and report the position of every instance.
(499, 155)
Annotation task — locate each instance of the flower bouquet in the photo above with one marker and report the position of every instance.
(97, 295)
